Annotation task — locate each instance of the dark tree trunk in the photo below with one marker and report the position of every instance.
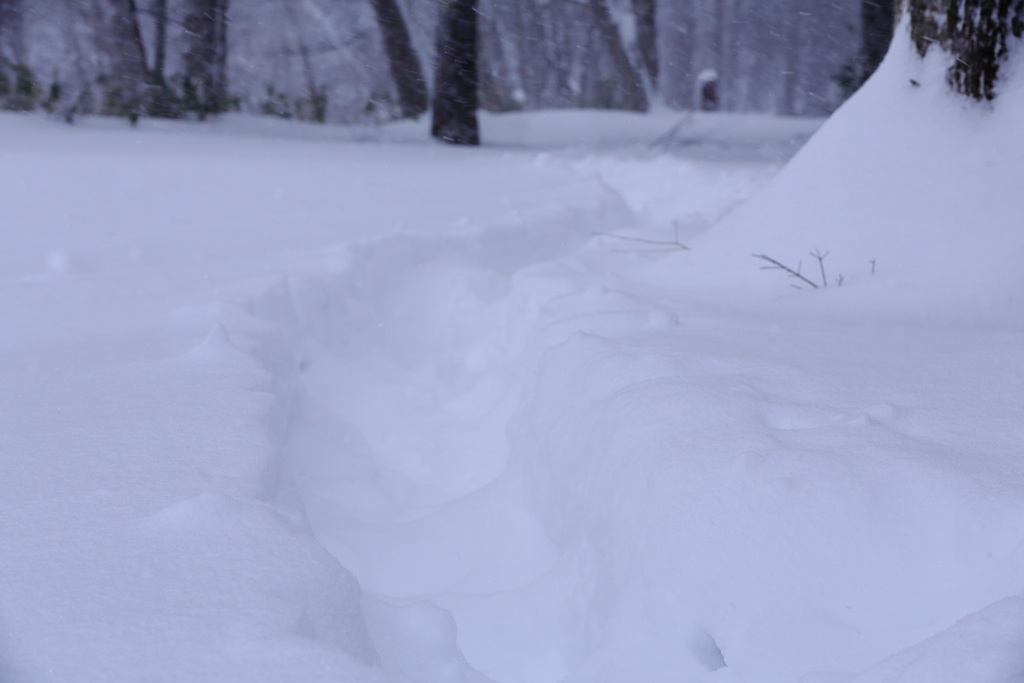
(791, 61)
(160, 37)
(678, 39)
(12, 31)
(206, 57)
(317, 95)
(133, 37)
(630, 84)
(877, 19)
(975, 32)
(127, 87)
(455, 84)
(405, 65)
(20, 89)
(162, 101)
(645, 12)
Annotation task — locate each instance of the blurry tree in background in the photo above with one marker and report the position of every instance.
(371, 60)
(18, 87)
(206, 57)
(645, 14)
(627, 78)
(455, 76)
(877, 23)
(126, 84)
(405, 65)
(782, 56)
(162, 98)
(975, 32)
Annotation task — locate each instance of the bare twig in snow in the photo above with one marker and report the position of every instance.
(667, 245)
(821, 263)
(775, 265)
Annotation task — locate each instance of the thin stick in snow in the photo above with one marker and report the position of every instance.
(669, 245)
(821, 263)
(780, 266)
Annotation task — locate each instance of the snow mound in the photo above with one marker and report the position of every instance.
(908, 181)
(984, 647)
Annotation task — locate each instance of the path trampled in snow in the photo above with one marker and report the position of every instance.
(295, 404)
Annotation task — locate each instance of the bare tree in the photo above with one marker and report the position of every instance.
(405, 65)
(206, 57)
(876, 29)
(975, 32)
(645, 12)
(791, 75)
(316, 95)
(456, 79)
(18, 88)
(677, 43)
(12, 31)
(126, 93)
(159, 10)
(629, 83)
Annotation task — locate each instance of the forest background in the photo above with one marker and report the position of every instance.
(328, 60)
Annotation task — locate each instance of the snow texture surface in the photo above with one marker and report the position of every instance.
(288, 403)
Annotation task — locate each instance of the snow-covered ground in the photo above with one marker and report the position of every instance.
(290, 403)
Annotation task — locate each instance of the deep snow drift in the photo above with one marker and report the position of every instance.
(294, 404)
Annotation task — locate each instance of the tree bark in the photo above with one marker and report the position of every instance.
(456, 78)
(877, 19)
(791, 75)
(206, 57)
(160, 38)
(133, 37)
(630, 85)
(645, 12)
(975, 32)
(678, 40)
(12, 31)
(405, 65)
(126, 95)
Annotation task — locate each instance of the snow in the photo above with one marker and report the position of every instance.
(292, 403)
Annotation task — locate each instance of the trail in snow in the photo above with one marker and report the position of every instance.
(161, 292)
(604, 479)
(379, 410)
(624, 464)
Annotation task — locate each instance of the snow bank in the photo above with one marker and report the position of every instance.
(985, 646)
(907, 179)
(150, 530)
(394, 412)
(628, 464)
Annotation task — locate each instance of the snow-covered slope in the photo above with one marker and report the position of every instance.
(908, 179)
(143, 408)
(283, 403)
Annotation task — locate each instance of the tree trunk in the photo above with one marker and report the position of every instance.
(791, 75)
(314, 108)
(402, 59)
(630, 85)
(678, 39)
(455, 84)
(160, 38)
(645, 12)
(975, 32)
(162, 101)
(127, 88)
(877, 18)
(206, 57)
(12, 31)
